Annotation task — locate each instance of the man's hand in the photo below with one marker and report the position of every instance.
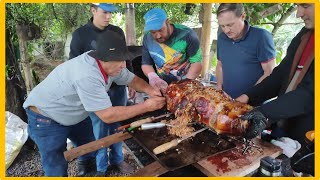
(219, 87)
(258, 123)
(155, 103)
(227, 95)
(131, 93)
(156, 82)
(155, 92)
(243, 98)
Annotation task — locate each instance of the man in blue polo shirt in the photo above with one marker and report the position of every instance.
(245, 54)
(173, 48)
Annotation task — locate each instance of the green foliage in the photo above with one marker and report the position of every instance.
(279, 56)
(55, 20)
(66, 18)
(253, 9)
(35, 77)
(214, 62)
(9, 71)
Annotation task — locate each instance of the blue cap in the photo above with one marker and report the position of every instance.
(154, 19)
(106, 7)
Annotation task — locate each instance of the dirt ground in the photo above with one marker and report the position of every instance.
(28, 164)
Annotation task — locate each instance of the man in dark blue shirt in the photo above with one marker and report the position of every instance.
(245, 54)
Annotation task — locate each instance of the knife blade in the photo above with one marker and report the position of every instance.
(147, 120)
(166, 146)
(147, 126)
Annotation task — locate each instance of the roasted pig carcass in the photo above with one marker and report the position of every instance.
(190, 101)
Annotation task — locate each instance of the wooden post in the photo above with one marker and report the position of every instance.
(130, 24)
(205, 37)
(24, 56)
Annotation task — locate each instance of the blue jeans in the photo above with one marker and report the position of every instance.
(118, 97)
(51, 138)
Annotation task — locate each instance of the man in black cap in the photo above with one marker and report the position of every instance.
(59, 106)
(83, 40)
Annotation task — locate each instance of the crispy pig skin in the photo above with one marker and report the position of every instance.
(190, 100)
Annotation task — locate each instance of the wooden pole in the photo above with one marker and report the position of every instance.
(130, 24)
(95, 145)
(205, 37)
(20, 29)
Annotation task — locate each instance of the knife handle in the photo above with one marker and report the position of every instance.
(123, 127)
(164, 147)
(141, 121)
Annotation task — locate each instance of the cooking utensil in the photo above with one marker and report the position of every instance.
(158, 125)
(147, 120)
(153, 125)
(164, 147)
(142, 121)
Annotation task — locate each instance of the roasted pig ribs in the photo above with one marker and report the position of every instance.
(190, 101)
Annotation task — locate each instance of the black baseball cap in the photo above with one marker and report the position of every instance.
(111, 47)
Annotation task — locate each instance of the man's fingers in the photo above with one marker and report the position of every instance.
(132, 93)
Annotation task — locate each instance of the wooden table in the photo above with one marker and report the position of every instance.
(227, 163)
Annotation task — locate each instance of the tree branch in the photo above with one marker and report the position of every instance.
(270, 10)
(283, 18)
(53, 11)
(274, 24)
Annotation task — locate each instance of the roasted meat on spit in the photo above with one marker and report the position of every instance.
(190, 101)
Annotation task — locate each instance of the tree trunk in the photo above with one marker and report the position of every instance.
(15, 86)
(205, 37)
(24, 56)
(130, 24)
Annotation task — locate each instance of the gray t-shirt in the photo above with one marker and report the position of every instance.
(73, 89)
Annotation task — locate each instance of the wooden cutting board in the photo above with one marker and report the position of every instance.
(233, 163)
(185, 153)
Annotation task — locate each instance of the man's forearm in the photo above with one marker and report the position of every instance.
(267, 69)
(140, 85)
(262, 78)
(194, 71)
(120, 113)
(147, 69)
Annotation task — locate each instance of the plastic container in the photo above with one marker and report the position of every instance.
(270, 167)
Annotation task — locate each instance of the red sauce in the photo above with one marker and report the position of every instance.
(221, 160)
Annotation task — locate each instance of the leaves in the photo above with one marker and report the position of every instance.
(55, 20)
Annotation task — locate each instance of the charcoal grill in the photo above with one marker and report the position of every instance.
(187, 152)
